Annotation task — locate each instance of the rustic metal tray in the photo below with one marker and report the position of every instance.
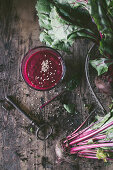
(101, 99)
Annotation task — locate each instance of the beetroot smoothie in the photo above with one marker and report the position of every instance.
(43, 68)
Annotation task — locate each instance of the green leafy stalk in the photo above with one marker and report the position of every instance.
(64, 21)
(110, 8)
(100, 13)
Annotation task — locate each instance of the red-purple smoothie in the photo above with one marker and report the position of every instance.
(43, 69)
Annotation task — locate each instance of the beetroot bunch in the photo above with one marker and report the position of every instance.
(94, 141)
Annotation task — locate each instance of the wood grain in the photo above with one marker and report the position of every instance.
(19, 148)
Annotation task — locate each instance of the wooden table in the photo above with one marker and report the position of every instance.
(19, 148)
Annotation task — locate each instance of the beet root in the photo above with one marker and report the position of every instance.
(104, 83)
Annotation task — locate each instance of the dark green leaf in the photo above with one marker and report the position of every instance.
(60, 45)
(110, 8)
(70, 107)
(78, 16)
(109, 135)
(43, 6)
(44, 37)
(60, 29)
(44, 21)
(106, 44)
(101, 65)
(99, 13)
(102, 121)
(31, 130)
(72, 84)
(83, 33)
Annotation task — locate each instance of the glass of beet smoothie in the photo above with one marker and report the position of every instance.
(43, 68)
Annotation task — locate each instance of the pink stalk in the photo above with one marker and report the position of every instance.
(99, 137)
(82, 143)
(92, 134)
(78, 135)
(92, 157)
(84, 129)
(75, 135)
(80, 132)
(101, 35)
(94, 139)
(104, 141)
(108, 150)
(51, 99)
(88, 151)
(76, 149)
(83, 122)
(85, 133)
(88, 154)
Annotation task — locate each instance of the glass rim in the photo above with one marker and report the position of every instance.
(62, 61)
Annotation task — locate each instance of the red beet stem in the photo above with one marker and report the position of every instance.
(45, 104)
(92, 157)
(84, 122)
(94, 138)
(89, 151)
(76, 149)
(92, 134)
(82, 125)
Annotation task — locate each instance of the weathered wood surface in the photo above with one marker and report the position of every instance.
(19, 148)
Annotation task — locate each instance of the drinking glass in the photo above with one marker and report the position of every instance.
(43, 68)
